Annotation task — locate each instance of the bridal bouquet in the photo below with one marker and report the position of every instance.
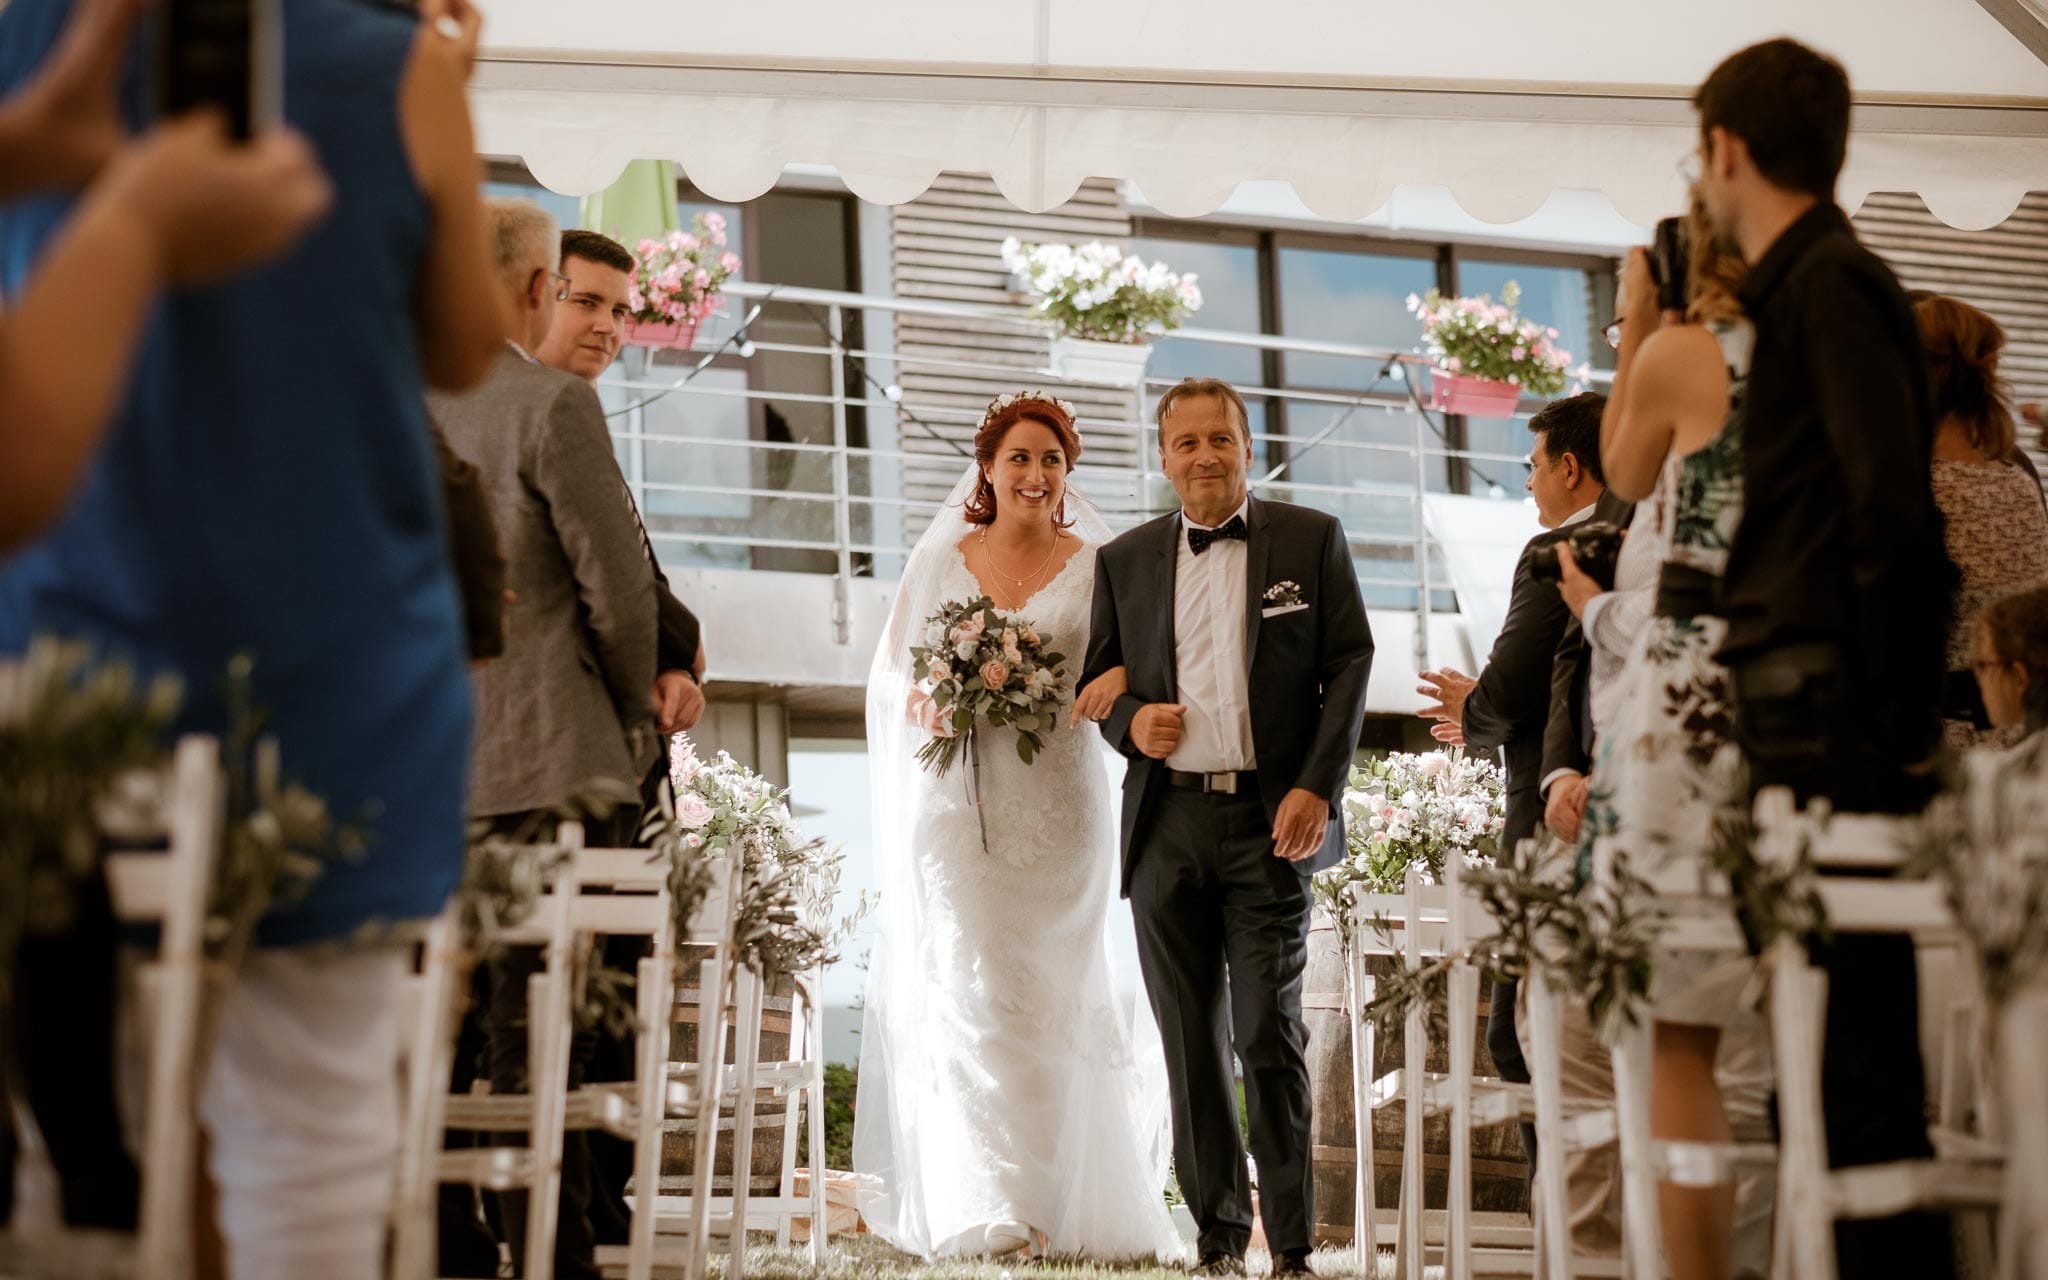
(983, 667)
(1422, 809)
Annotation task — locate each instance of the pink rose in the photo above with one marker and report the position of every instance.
(692, 812)
(970, 629)
(994, 674)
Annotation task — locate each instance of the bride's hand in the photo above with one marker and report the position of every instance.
(923, 712)
(1095, 700)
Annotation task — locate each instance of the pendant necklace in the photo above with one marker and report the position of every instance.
(989, 559)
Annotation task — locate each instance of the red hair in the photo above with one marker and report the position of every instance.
(980, 507)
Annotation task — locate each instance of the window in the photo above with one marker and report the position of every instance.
(1349, 296)
(1227, 270)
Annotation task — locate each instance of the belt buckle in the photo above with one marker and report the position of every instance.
(1219, 784)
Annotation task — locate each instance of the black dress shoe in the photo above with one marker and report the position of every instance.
(1294, 1262)
(1220, 1264)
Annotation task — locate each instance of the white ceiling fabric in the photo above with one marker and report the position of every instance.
(1344, 99)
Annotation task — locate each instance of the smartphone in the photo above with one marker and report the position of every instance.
(1668, 265)
(226, 54)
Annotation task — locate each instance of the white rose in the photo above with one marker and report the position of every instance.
(692, 812)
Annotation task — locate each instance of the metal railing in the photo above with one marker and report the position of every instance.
(731, 469)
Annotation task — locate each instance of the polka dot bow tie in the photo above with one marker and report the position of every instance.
(1199, 539)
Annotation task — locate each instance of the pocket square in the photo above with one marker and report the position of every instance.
(1282, 594)
(1279, 609)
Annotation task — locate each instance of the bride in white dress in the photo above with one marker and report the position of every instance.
(1002, 1106)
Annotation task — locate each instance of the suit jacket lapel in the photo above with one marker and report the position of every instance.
(1168, 548)
(1256, 546)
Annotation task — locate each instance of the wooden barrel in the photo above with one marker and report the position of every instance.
(1499, 1172)
(771, 1115)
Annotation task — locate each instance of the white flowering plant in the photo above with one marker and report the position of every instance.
(981, 667)
(1421, 809)
(1481, 338)
(722, 809)
(681, 274)
(1098, 292)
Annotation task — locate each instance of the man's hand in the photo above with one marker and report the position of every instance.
(678, 702)
(1573, 584)
(1565, 808)
(1300, 824)
(1156, 729)
(1450, 688)
(1447, 733)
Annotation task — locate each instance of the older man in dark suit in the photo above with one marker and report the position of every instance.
(1507, 707)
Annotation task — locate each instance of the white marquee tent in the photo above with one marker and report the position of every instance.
(1501, 101)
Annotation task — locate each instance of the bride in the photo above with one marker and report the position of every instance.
(1002, 1105)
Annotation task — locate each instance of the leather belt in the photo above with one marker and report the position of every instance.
(1244, 782)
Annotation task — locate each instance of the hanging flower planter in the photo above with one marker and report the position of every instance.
(679, 335)
(1472, 397)
(1488, 355)
(1110, 364)
(1103, 306)
(677, 284)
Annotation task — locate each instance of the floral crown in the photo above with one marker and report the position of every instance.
(1008, 398)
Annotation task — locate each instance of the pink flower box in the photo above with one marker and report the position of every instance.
(1472, 397)
(678, 335)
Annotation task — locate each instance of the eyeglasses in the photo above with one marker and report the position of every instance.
(1988, 664)
(1613, 334)
(562, 292)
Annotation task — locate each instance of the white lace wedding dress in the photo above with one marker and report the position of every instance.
(998, 1080)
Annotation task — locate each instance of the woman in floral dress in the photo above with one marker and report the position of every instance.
(1667, 776)
(1992, 514)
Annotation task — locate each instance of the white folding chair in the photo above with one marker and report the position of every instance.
(432, 1011)
(1813, 1196)
(537, 1166)
(1564, 1125)
(800, 1079)
(170, 889)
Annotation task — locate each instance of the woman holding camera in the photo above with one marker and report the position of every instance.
(1994, 523)
(1667, 776)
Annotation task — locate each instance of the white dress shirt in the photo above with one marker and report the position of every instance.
(1208, 645)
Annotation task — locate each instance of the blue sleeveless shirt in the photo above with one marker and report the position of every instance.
(269, 487)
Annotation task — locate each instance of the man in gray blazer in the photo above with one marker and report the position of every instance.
(571, 699)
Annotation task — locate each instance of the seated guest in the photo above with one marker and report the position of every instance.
(2009, 657)
(569, 700)
(1995, 524)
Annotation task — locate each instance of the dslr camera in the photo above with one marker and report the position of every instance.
(1595, 545)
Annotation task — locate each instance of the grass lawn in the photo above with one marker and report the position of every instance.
(863, 1257)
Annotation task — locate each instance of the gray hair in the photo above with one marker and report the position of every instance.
(524, 238)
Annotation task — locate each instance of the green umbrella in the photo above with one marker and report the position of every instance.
(641, 205)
